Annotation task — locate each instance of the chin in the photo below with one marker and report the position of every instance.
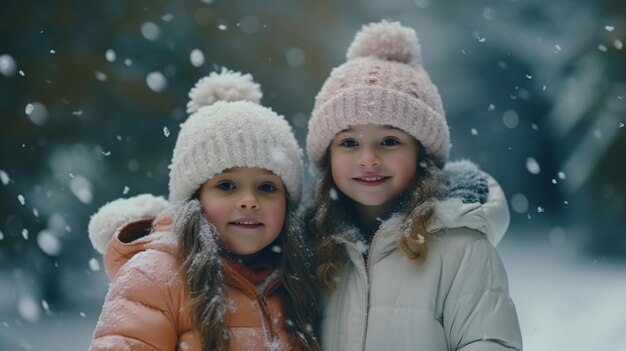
(372, 202)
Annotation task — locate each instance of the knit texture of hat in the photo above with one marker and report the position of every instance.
(381, 83)
(229, 128)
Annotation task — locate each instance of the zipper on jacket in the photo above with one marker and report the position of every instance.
(363, 271)
(368, 268)
(269, 334)
(368, 262)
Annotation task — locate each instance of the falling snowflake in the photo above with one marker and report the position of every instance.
(81, 188)
(21, 199)
(196, 57)
(609, 28)
(156, 81)
(100, 76)
(166, 132)
(333, 194)
(150, 31)
(110, 55)
(4, 177)
(480, 39)
(540, 209)
(94, 265)
(532, 166)
(48, 243)
(126, 190)
(7, 65)
(474, 131)
(28, 308)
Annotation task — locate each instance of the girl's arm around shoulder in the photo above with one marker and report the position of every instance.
(140, 311)
(478, 313)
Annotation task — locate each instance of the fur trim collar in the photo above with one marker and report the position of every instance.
(115, 214)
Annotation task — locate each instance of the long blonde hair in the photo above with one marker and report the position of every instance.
(199, 256)
(328, 214)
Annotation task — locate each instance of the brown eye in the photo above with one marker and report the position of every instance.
(226, 186)
(267, 188)
(349, 143)
(390, 142)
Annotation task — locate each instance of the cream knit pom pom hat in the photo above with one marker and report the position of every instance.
(228, 128)
(382, 83)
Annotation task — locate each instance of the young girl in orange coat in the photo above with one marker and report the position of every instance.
(223, 265)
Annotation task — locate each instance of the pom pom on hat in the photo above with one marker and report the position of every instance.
(388, 41)
(115, 214)
(223, 86)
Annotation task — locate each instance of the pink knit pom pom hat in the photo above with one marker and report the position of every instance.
(229, 128)
(382, 83)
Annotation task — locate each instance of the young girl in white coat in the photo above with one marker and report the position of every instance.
(405, 240)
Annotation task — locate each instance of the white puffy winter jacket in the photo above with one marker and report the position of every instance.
(457, 299)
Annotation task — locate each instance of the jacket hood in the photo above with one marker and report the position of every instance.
(133, 238)
(470, 198)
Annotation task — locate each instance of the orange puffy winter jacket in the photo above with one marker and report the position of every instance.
(145, 306)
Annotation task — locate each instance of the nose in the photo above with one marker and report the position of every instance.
(369, 158)
(247, 202)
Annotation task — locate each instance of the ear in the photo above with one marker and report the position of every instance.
(115, 214)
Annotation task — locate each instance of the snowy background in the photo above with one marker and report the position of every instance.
(91, 96)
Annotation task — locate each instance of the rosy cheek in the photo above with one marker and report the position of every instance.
(277, 218)
(213, 215)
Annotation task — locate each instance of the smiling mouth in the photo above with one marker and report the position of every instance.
(246, 224)
(371, 181)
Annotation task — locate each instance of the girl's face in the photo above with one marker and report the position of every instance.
(373, 164)
(247, 206)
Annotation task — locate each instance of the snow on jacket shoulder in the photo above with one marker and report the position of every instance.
(144, 307)
(456, 300)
